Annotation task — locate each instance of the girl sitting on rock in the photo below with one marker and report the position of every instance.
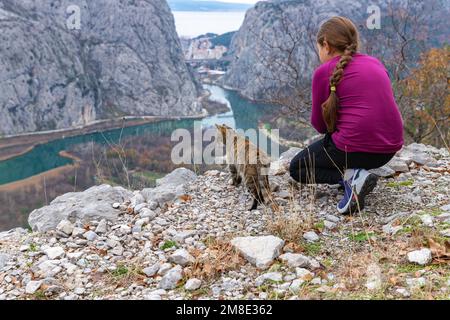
(353, 103)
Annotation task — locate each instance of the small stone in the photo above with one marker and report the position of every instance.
(161, 221)
(332, 218)
(102, 227)
(427, 220)
(147, 213)
(116, 205)
(181, 257)
(415, 283)
(311, 236)
(117, 250)
(304, 274)
(398, 165)
(374, 280)
(33, 286)
(181, 236)
(271, 276)
(141, 222)
(125, 229)
(296, 285)
(384, 171)
(164, 268)
(444, 217)
(54, 253)
(170, 280)
(421, 257)
(152, 205)
(284, 194)
(403, 292)
(445, 233)
(137, 199)
(193, 284)
(90, 235)
(111, 243)
(294, 260)
(4, 259)
(75, 255)
(152, 270)
(77, 232)
(79, 291)
(389, 229)
(329, 225)
(65, 226)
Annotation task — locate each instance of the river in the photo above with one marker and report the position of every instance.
(243, 114)
(42, 161)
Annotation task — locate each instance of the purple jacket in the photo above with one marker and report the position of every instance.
(368, 116)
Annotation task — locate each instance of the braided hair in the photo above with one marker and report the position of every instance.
(342, 36)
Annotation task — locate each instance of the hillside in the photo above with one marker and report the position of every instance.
(190, 237)
(125, 60)
(277, 40)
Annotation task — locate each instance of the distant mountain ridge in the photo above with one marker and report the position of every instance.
(196, 5)
(284, 30)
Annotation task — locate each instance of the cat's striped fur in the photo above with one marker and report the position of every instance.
(246, 163)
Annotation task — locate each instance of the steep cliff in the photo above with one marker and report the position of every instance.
(275, 46)
(125, 59)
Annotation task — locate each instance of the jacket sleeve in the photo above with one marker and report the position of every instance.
(320, 93)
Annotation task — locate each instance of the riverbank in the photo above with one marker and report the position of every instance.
(37, 180)
(13, 146)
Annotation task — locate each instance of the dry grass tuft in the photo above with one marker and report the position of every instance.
(219, 257)
(287, 228)
(124, 276)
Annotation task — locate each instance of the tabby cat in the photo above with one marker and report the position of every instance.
(246, 162)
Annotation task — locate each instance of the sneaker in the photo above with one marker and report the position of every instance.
(358, 184)
(344, 205)
(363, 182)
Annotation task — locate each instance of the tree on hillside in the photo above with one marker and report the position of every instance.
(425, 103)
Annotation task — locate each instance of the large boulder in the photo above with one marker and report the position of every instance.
(93, 204)
(170, 187)
(281, 166)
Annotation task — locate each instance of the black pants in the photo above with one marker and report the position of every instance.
(323, 162)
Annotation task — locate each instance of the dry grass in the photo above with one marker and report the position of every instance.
(124, 276)
(219, 257)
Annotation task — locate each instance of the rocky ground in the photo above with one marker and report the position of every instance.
(192, 238)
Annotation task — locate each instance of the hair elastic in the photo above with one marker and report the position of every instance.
(333, 88)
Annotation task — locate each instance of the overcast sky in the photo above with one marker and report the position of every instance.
(239, 1)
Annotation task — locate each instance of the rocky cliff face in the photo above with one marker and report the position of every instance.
(277, 39)
(125, 59)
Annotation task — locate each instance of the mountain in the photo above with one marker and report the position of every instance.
(202, 5)
(126, 59)
(278, 31)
